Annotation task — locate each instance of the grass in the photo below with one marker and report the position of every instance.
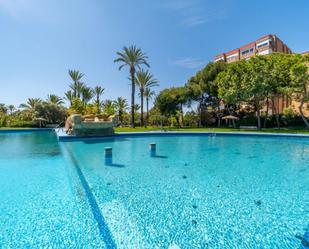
(292, 130)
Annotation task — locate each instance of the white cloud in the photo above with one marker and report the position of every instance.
(189, 63)
(195, 12)
(194, 20)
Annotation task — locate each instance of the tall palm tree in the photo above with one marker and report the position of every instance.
(121, 105)
(148, 95)
(54, 99)
(31, 103)
(79, 87)
(69, 95)
(144, 79)
(98, 92)
(132, 57)
(76, 86)
(87, 94)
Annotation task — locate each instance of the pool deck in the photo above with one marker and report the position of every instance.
(62, 136)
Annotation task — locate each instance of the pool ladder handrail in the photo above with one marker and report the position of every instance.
(58, 126)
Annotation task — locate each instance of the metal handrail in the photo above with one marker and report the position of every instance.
(58, 126)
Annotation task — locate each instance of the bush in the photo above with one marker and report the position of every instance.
(51, 112)
(3, 120)
(191, 119)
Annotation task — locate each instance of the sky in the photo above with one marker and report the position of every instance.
(40, 40)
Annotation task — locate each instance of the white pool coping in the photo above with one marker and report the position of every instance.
(62, 136)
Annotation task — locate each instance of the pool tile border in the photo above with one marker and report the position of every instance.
(64, 137)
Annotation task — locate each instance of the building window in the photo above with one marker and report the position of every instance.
(247, 51)
(231, 58)
(264, 44)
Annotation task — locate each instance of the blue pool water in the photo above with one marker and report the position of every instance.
(195, 192)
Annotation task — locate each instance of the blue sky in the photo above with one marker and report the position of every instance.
(42, 39)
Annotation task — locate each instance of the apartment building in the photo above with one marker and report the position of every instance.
(264, 45)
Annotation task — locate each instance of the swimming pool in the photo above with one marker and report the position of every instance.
(194, 192)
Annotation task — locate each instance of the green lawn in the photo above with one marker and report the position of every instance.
(271, 130)
(292, 130)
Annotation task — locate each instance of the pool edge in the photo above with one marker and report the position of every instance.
(64, 137)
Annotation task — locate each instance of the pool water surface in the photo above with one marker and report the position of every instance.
(194, 192)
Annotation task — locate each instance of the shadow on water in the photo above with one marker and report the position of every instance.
(51, 153)
(154, 154)
(103, 140)
(158, 156)
(109, 163)
(304, 239)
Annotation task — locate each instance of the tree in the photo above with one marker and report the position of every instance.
(53, 113)
(255, 83)
(203, 89)
(299, 84)
(230, 85)
(76, 86)
(191, 118)
(69, 95)
(3, 108)
(121, 106)
(31, 103)
(148, 95)
(54, 99)
(171, 100)
(79, 87)
(109, 107)
(278, 77)
(98, 92)
(144, 79)
(87, 94)
(11, 109)
(77, 107)
(132, 57)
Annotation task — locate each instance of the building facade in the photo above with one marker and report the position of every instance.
(264, 45)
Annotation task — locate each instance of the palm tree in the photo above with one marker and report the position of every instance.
(144, 79)
(87, 94)
(98, 92)
(121, 105)
(69, 95)
(132, 57)
(31, 103)
(3, 108)
(109, 107)
(148, 95)
(54, 99)
(79, 87)
(76, 85)
(11, 108)
(137, 107)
